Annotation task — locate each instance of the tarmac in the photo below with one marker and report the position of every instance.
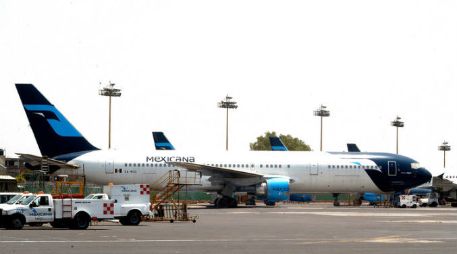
(289, 228)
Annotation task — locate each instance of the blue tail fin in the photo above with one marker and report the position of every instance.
(161, 142)
(55, 135)
(353, 148)
(276, 144)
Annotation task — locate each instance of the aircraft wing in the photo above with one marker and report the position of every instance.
(209, 170)
(35, 160)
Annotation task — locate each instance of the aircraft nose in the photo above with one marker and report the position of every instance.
(423, 175)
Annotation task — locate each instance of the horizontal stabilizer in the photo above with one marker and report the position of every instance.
(34, 162)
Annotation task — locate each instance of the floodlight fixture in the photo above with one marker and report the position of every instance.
(322, 112)
(110, 91)
(398, 124)
(227, 104)
(444, 147)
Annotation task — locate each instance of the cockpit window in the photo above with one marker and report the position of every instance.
(415, 165)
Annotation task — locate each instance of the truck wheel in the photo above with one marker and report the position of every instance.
(16, 223)
(134, 218)
(81, 221)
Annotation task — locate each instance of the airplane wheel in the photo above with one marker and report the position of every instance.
(216, 200)
(222, 202)
(270, 203)
(232, 203)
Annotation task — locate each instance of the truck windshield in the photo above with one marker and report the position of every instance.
(14, 199)
(26, 200)
(90, 196)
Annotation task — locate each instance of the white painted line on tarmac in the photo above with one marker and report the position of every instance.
(425, 221)
(381, 239)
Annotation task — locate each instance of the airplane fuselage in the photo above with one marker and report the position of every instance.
(311, 172)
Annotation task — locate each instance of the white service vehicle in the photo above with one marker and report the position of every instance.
(42, 208)
(408, 201)
(430, 199)
(131, 201)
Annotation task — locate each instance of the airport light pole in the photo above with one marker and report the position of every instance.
(444, 147)
(398, 124)
(110, 91)
(227, 104)
(322, 112)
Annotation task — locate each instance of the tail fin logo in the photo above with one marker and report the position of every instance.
(56, 120)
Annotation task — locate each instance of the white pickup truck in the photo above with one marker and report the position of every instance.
(131, 201)
(42, 208)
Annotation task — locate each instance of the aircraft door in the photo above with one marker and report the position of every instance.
(392, 168)
(313, 169)
(109, 167)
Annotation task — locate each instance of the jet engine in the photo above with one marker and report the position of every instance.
(273, 190)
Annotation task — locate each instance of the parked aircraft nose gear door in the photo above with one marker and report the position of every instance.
(109, 167)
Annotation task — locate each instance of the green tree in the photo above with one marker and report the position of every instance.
(292, 144)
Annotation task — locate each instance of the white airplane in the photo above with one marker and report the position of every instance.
(273, 175)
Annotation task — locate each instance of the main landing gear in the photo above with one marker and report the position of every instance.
(225, 202)
(335, 199)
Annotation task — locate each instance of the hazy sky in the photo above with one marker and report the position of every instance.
(368, 61)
